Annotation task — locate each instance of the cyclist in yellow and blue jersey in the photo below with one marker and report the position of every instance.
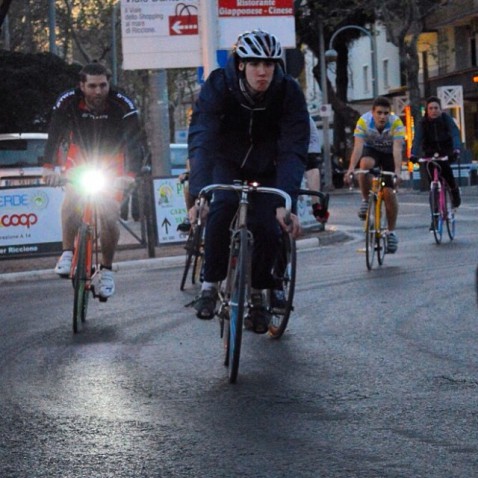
(378, 141)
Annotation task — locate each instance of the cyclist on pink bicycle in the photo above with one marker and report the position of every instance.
(437, 133)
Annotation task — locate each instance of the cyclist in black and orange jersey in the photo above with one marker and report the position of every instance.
(102, 128)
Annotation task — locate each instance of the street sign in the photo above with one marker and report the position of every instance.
(166, 34)
(170, 209)
(160, 34)
(273, 16)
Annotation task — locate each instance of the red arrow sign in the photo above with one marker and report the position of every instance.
(183, 25)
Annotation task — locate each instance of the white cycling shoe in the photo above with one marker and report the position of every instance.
(63, 265)
(107, 284)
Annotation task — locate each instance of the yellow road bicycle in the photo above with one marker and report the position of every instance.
(375, 225)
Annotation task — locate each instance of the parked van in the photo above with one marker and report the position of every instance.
(21, 158)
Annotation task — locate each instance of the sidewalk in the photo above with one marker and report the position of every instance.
(131, 256)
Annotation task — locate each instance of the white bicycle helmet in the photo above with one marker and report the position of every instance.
(258, 45)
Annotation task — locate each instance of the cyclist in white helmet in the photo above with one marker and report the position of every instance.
(250, 122)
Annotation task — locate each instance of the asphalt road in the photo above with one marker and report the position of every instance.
(377, 375)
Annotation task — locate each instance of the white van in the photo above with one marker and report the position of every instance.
(21, 157)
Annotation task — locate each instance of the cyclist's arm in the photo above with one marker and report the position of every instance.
(357, 151)
(204, 131)
(454, 132)
(293, 227)
(293, 141)
(397, 156)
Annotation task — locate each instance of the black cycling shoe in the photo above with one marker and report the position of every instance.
(258, 318)
(185, 226)
(205, 304)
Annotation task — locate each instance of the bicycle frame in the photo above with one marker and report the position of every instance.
(235, 295)
(441, 212)
(375, 220)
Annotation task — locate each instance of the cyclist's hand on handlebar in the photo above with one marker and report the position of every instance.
(349, 176)
(52, 177)
(194, 211)
(294, 224)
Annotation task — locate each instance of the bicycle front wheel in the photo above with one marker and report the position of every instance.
(80, 277)
(381, 226)
(370, 232)
(449, 214)
(284, 274)
(437, 221)
(238, 264)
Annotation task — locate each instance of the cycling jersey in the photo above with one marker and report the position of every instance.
(105, 136)
(379, 140)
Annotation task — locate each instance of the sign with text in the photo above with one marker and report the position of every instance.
(255, 8)
(273, 16)
(30, 220)
(160, 34)
(170, 209)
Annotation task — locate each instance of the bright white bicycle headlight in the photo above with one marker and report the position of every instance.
(92, 181)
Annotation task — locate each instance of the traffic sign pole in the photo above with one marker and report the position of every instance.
(208, 35)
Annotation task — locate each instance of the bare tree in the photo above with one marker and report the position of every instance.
(405, 21)
(334, 15)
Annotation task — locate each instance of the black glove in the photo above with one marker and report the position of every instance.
(413, 159)
(455, 156)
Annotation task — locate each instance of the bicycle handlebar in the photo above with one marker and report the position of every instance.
(433, 158)
(247, 188)
(374, 171)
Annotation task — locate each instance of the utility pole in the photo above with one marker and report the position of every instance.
(325, 118)
(159, 127)
(114, 52)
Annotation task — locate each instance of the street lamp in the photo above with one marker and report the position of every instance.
(331, 54)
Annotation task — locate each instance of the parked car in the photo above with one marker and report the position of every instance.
(21, 156)
(179, 156)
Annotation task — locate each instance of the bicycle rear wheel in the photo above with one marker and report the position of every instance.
(449, 214)
(234, 326)
(370, 232)
(381, 224)
(80, 277)
(284, 274)
(437, 222)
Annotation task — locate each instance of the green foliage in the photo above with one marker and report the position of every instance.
(29, 87)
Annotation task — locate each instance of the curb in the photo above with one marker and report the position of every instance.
(166, 262)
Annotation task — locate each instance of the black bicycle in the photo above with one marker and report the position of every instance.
(235, 292)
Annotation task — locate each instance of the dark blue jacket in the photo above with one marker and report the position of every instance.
(440, 135)
(229, 136)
